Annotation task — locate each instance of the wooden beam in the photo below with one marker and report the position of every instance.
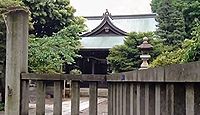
(85, 77)
(184, 73)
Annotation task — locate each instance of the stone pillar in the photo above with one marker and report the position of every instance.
(16, 57)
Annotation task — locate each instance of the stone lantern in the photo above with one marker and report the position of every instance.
(145, 47)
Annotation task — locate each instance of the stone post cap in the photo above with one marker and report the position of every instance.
(145, 45)
(14, 9)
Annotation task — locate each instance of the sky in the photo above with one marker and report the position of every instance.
(115, 7)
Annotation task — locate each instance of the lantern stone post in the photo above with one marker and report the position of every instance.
(145, 47)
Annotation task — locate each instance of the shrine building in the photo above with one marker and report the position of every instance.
(104, 32)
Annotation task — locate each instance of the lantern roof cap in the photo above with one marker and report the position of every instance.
(145, 45)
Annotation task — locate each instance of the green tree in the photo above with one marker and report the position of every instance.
(189, 8)
(168, 57)
(127, 57)
(188, 52)
(155, 4)
(193, 51)
(49, 17)
(47, 54)
(191, 11)
(171, 26)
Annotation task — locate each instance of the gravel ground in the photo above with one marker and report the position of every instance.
(1, 112)
(102, 107)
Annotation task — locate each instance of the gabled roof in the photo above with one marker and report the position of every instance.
(127, 23)
(106, 27)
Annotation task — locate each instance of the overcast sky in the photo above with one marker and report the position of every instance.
(115, 7)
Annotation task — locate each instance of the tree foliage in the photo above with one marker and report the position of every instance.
(171, 26)
(193, 51)
(127, 57)
(47, 54)
(188, 52)
(155, 4)
(189, 8)
(49, 17)
(191, 11)
(168, 57)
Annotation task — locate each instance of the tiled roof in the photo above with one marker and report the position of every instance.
(101, 42)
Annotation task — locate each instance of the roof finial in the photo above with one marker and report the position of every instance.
(107, 14)
(106, 11)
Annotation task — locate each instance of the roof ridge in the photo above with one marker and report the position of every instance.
(106, 26)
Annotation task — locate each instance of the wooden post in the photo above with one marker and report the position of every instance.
(75, 98)
(110, 99)
(64, 89)
(120, 98)
(126, 98)
(138, 99)
(40, 104)
(57, 109)
(146, 99)
(114, 89)
(196, 98)
(25, 97)
(152, 98)
(93, 98)
(16, 57)
(133, 99)
(157, 99)
(170, 99)
(117, 98)
(189, 99)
